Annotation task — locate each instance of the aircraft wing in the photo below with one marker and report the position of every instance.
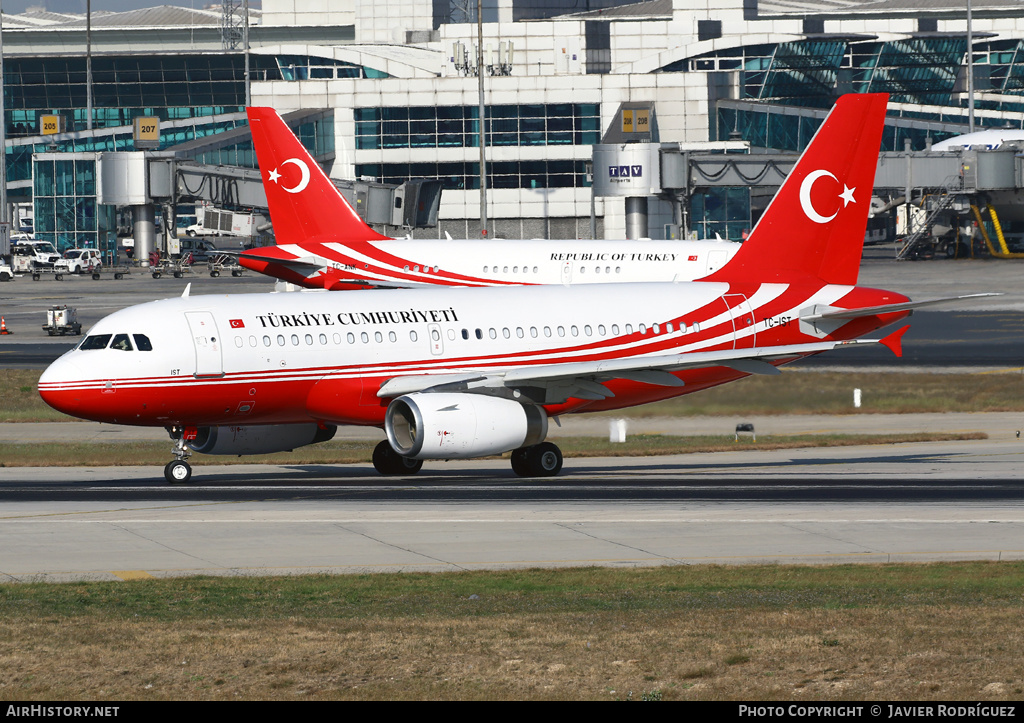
(583, 380)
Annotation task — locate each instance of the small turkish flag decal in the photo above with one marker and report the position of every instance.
(237, 324)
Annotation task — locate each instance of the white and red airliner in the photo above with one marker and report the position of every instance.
(467, 372)
(323, 243)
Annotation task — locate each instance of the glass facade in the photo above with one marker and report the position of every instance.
(721, 213)
(19, 157)
(125, 86)
(316, 135)
(500, 174)
(913, 70)
(458, 126)
(925, 70)
(304, 67)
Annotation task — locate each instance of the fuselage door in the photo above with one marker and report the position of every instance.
(744, 328)
(209, 357)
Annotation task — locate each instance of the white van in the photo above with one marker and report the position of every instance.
(79, 261)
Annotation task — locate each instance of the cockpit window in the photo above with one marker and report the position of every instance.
(121, 343)
(98, 341)
(142, 342)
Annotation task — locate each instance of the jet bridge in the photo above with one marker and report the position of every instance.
(144, 179)
(940, 185)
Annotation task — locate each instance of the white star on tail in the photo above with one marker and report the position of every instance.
(847, 195)
(274, 175)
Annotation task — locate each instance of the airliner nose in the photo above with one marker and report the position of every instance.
(56, 385)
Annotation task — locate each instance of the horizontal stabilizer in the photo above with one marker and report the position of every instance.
(819, 313)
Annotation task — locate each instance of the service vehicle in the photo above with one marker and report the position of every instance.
(62, 319)
(33, 255)
(79, 261)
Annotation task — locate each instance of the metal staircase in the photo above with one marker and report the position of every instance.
(938, 201)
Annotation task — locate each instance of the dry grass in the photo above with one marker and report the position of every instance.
(795, 392)
(803, 392)
(913, 632)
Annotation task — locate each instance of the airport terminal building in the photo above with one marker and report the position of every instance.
(389, 90)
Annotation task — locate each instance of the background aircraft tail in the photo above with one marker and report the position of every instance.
(304, 203)
(815, 224)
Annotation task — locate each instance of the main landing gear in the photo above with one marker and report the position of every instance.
(178, 471)
(540, 460)
(389, 462)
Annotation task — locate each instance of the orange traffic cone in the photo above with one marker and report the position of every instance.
(3, 326)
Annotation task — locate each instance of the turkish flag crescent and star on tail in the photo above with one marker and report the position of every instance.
(814, 227)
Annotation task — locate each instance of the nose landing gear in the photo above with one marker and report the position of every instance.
(178, 470)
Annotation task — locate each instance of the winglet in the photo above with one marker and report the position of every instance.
(895, 341)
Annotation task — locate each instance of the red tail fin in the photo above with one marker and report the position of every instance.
(815, 224)
(304, 203)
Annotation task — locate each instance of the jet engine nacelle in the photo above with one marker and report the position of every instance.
(259, 439)
(425, 425)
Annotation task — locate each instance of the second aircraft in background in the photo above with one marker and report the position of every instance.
(323, 243)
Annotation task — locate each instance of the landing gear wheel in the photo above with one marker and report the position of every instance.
(540, 460)
(520, 463)
(389, 462)
(177, 472)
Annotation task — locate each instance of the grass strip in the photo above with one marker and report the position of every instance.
(944, 631)
(118, 454)
(795, 392)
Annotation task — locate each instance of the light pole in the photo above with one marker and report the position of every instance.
(483, 116)
(970, 70)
